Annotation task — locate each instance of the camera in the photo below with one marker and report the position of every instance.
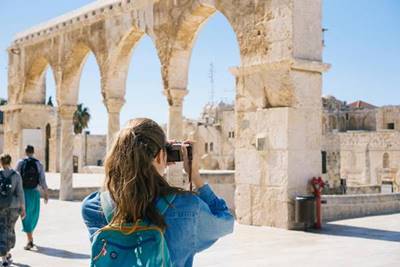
(174, 153)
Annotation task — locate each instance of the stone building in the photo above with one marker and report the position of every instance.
(215, 133)
(278, 86)
(89, 151)
(44, 134)
(361, 143)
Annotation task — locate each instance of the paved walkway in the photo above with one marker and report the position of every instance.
(373, 241)
(79, 180)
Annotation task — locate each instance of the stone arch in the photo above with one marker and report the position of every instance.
(176, 59)
(116, 69)
(75, 59)
(34, 88)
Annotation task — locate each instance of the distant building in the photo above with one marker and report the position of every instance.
(361, 144)
(215, 133)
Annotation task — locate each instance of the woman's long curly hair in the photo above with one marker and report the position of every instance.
(132, 180)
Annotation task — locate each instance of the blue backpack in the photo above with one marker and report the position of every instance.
(130, 245)
(6, 190)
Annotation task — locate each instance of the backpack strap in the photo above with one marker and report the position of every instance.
(6, 177)
(108, 206)
(164, 203)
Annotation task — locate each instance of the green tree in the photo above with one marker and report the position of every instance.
(2, 102)
(81, 118)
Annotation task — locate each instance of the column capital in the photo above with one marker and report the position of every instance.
(67, 111)
(114, 104)
(175, 96)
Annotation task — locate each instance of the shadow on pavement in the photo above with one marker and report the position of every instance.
(19, 265)
(60, 253)
(358, 232)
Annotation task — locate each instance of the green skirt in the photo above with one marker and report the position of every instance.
(32, 206)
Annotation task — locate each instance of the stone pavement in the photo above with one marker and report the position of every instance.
(372, 241)
(80, 180)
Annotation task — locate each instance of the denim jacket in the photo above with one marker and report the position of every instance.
(194, 222)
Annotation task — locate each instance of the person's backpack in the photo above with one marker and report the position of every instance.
(130, 245)
(30, 173)
(6, 190)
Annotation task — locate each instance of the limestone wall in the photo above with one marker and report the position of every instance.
(369, 158)
(223, 184)
(89, 149)
(331, 145)
(97, 149)
(387, 115)
(351, 206)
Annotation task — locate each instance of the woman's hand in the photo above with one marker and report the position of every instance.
(46, 196)
(196, 179)
(22, 213)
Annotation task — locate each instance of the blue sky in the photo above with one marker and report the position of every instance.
(362, 44)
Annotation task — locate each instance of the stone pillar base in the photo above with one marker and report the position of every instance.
(277, 153)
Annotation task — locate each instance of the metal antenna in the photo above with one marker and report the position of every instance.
(323, 36)
(211, 76)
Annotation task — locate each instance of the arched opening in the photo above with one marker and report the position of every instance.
(38, 87)
(211, 87)
(39, 83)
(50, 88)
(90, 125)
(35, 82)
(144, 87)
(386, 160)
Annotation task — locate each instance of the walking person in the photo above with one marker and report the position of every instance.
(12, 205)
(33, 177)
(139, 200)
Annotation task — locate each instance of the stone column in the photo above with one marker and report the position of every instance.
(175, 131)
(67, 145)
(278, 140)
(175, 116)
(113, 106)
(12, 128)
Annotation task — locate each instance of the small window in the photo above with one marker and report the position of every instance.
(233, 134)
(347, 116)
(229, 135)
(391, 126)
(324, 163)
(206, 147)
(211, 146)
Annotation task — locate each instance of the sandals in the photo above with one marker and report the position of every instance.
(29, 246)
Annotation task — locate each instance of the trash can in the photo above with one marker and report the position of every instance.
(305, 210)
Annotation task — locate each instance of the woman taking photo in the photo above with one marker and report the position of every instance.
(134, 167)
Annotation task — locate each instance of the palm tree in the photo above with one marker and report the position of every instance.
(2, 102)
(81, 118)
